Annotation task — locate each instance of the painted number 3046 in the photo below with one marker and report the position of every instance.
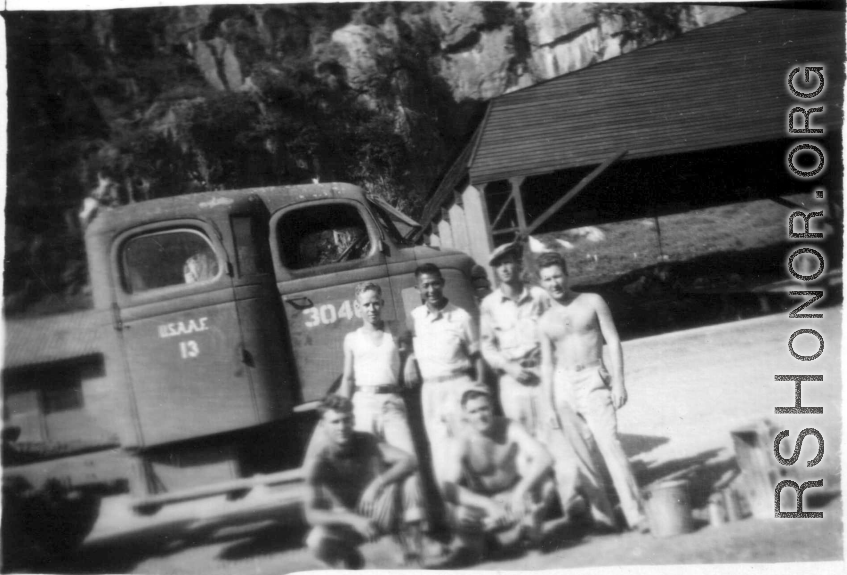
(327, 313)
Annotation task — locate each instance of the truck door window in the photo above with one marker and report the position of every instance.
(162, 259)
(321, 235)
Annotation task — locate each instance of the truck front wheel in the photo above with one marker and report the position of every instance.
(58, 521)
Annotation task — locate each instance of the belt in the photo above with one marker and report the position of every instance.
(378, 389)
(448, 377)
(583, 366)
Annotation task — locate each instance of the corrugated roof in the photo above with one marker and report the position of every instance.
(52, 338)
(721, 85)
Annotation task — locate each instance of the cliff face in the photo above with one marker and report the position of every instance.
(127, 105)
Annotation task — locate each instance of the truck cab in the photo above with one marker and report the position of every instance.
(220, 319)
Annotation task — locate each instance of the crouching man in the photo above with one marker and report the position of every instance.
(499, 483)
(355, 490)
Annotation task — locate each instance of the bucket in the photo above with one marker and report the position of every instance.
(669, 509)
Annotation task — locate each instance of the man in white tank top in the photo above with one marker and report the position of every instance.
(372, 366)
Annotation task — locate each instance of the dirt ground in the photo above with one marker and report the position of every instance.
(687, 390)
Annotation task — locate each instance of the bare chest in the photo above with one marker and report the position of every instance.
(487, 457)
(569, 320)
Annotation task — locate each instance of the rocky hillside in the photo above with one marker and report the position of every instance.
(126, 105)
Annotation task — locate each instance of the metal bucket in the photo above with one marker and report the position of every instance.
(669, 508)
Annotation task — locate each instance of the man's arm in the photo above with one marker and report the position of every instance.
(613, 341)
(346, 387)
(400, 465)
(540, 462)
(488, 338)
(411, 371)
(547, 367)
(472, 347)
(317, 514)
(490, 348)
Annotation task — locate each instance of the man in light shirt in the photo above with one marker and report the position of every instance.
(446, 349)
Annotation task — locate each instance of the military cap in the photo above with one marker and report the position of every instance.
(506, 249)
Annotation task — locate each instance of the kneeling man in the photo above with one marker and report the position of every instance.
(355, 489)
(499, 479)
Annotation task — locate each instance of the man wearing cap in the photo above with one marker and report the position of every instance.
(510, 343)
(509, 339)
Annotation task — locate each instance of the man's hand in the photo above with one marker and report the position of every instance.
(366, 528)
(520, 374)
(618, 395)
(411, 374)
(468, 517)
(497, 516)
(517, 503)
(370, 496)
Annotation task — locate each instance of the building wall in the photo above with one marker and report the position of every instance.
(464, 226)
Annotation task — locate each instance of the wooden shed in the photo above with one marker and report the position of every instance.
(698, 120)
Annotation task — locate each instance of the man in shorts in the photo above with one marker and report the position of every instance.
(355, 489)
(498, 483)
(574, 378)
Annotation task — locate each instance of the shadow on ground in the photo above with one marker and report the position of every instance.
(123, 553)
(637, 444)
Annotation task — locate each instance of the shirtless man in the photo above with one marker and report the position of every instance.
(499, 479)
(573, 376)
(355, 489)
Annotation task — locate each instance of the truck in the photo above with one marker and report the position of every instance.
(216, 328)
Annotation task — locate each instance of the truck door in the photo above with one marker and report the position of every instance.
(179, 325)
(321, 250)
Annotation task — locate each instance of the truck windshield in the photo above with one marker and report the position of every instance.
(386, 223)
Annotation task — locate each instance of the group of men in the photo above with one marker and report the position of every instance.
(498, 477)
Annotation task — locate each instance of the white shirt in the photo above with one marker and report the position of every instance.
(444, 340)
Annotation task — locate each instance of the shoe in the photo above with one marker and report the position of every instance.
(353, 561)
(457, 558)
(412, 559)
(642, 526)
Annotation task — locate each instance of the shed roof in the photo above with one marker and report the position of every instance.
(52, 338)
(721, 85)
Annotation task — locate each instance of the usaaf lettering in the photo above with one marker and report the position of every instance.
(183, 327)
(800, 255)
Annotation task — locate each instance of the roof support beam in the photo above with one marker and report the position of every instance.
(527, 230)
(516, 183)
(502, 211)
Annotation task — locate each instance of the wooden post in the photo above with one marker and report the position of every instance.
(516, 183)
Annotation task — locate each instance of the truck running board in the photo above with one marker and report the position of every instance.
(153, 503)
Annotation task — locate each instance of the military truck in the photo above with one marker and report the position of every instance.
(217, 325)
